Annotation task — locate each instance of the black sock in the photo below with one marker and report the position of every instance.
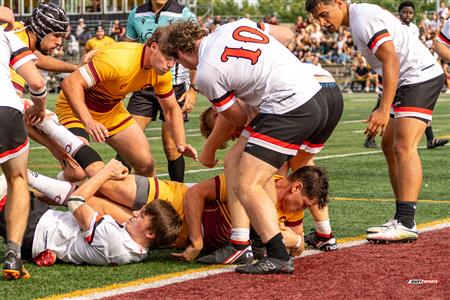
(396, 211)
(256, 239)
(276, 249)
(176, 169)
(429, 134)
(238, 245)
(124, 162)
(405, 213)
(14, 247)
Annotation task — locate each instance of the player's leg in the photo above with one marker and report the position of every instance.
(175, 160)
(433, 142)
(16, 211)
(413, 110)
(238, 249)
(132, 145)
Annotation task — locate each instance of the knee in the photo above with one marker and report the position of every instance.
(145, 168)
(402, 149)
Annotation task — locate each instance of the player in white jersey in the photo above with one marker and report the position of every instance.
(242, 60)
(83, 236)
(14, 142)
(412, 80)
(442, 42)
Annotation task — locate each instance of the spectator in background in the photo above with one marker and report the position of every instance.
(81, 27)
(117, 32)
(443, 11)
(435, 23)
(299, 24)
(84, 36)
(99, 41)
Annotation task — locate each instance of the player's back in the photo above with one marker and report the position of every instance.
(255, 66)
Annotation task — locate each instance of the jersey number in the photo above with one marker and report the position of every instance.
(260, 38)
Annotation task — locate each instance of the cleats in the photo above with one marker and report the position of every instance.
(380, 228)
(13, 267)
(436, 143)
(259, 253)
(370, 143)
(268, 265)
(396, 233)
(228, 255)
(322, 242)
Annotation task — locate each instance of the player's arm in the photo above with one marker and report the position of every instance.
(51, 64)
(190, 96)
(73, 87)
(442, 50)
(174, 120)
(83, 212)
(220, 134)
(379, 118)
(194, 203)
(293, 238)
(283, 34)
(7, 16)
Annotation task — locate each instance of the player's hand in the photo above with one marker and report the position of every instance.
(189, 254)
(7, 16)
(187, 150)
(190, 99)
(208, 159)
(64, 158)
(377, 122)
(97, 130)
(290, 238)
(87, 58)
(35, 114)
(116, 170)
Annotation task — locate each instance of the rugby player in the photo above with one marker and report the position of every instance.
(143, 104)
(412, 80)
(90, 103)
(83, 236)
(14, 141)
(256, 68)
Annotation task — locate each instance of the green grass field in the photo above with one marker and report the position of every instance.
(356, 174)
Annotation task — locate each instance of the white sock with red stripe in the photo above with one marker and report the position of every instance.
(66, 139)
(240, 237)
(56, 190)
(323, 227)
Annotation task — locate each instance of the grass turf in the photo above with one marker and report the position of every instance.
(355, 172)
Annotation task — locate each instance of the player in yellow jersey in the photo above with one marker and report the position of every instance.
(99, 41)
(91, 100)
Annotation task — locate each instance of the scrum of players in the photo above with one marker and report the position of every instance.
(278, 112)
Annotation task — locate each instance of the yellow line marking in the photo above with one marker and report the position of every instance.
(197, 270)
(131, 283)
(383, 200)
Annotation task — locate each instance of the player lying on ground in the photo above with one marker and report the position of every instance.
(83, 235)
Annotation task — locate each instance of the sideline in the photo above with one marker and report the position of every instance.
(171, 278)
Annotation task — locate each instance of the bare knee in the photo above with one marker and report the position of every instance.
(145, 168)
(402, 149)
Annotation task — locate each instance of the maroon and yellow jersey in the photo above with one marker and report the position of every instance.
(170, 191)
(95, 43)
(289, 219)
(116, 71)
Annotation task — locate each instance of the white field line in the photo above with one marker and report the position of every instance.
(227, 269)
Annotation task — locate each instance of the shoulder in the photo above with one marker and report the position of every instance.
(176, 7)
(141, 9)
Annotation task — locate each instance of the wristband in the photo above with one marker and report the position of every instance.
(193, 86)
(74, 202)
(41, 93)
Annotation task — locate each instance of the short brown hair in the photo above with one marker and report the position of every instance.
(310, 5)
(165, 222)
(181, 36)
(207, 123)
(315, 183)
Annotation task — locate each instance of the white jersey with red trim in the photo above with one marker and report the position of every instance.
(443, 36)
(240, 59)
(105, 243)
(371, 26)
(13, 53)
